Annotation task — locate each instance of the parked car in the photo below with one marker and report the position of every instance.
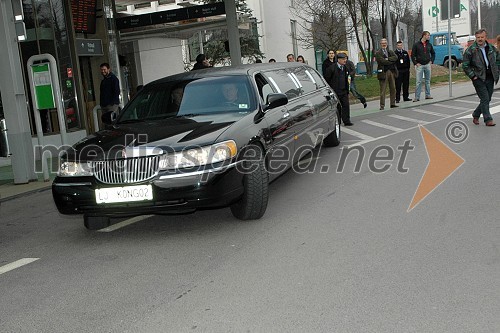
(439, 41)
(202, 139)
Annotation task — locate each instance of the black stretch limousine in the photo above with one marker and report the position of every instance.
(202, 139)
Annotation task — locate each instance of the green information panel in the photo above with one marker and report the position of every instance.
(43, 87)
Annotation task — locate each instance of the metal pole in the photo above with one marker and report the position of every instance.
(233, 32)
(437, 15)
(388, 24)
(14, 98)
(96, 117)
(449, 46)
(478, 14)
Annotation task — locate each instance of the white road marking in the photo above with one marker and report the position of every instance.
(451, 107)
(437, 114)
(493, 110)
(16, 264)
(363, 142)
(356, 134)
(494, 97)
(124, 223)
(418, 121)
(389, 127)
(307, 160)
(465, 101)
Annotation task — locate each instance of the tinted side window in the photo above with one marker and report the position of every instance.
(317, 78)
(306, 81)
(264, 87)
(285, 82)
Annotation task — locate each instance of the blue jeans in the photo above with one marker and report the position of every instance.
(484, 90)
(423, 70)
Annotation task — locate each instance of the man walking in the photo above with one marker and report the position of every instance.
(422, 55)
(481, 64)
(386, 73)
(351, 70)
(109, 90)
(336, 76)
(403, 79)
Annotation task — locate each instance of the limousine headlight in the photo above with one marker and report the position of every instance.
(74, 169)
(199, 156)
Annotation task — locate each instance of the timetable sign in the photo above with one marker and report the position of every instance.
(84, 15)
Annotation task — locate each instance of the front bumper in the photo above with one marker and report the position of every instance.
(172, 194)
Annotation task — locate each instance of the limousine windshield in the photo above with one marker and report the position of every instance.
(205, 96)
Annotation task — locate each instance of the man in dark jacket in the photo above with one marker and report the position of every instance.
(201, 62)
(386, 73)
(481, 64)
(422, 55)
(109, 90)
(403, 79)
(336, 76)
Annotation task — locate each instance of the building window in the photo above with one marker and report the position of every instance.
(293, 29)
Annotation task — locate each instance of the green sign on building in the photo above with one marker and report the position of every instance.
(43, 87)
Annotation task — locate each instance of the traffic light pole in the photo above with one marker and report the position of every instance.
(233, 32)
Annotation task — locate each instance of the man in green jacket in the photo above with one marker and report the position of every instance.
(481, 64)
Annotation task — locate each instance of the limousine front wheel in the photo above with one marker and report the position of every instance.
(253, 203)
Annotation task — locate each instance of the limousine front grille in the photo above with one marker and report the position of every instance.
(126, 171)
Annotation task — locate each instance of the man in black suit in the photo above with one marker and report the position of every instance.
(337, 77)
(403, 79)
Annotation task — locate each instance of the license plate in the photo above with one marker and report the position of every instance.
(124, 194)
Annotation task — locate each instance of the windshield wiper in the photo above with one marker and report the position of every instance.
(187, 115)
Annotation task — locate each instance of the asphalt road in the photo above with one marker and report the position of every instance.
(336, 251)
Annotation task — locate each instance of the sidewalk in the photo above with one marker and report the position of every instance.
(9, 190)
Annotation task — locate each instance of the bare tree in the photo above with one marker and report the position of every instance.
(321, 24)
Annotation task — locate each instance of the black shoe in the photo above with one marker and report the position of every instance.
(365, 105)
(416, 100)
(348, 124)
(407, 99)
(394, 106)
(397, 101)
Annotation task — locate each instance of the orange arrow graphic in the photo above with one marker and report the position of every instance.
(442, 163)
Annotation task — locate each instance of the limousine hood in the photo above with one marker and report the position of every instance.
(175, 133)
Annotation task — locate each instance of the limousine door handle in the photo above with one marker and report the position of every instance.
(286, 114)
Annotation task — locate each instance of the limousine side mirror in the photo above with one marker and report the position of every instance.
(275, 100)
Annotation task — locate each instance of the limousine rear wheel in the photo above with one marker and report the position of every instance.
(95, 222)
(253, 203)
(333, 139)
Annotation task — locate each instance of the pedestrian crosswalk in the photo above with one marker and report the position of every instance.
(383, 124)
(453, 107)
(493, 110)
(412, 120)
(389, 127)
(356, 134)
(430, 112)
